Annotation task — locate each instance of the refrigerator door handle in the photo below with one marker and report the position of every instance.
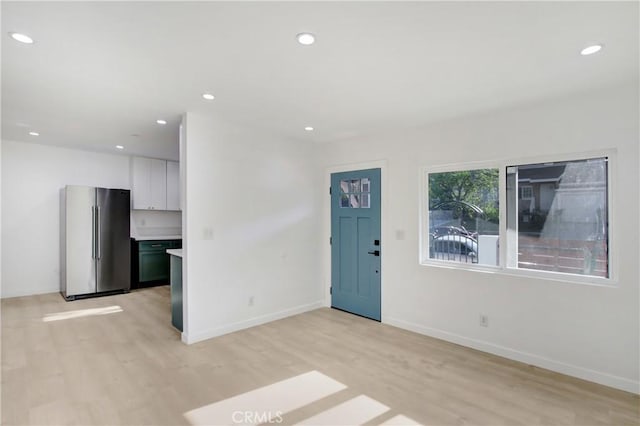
(99, 238)
(93, 232)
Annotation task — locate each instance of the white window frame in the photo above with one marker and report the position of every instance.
(503, 268)
(424, 258)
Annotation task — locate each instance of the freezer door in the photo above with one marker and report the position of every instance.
(79, 240)
(113, 246)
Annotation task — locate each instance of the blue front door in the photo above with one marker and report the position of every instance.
(355, 242)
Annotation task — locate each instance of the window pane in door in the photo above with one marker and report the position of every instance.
(345, 186)
(364, 201)
(366, 185)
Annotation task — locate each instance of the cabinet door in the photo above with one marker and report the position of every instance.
(153, 266)
(173, 185)
(158, 184)
(141, 171)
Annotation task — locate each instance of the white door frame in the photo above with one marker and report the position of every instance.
(326, 224)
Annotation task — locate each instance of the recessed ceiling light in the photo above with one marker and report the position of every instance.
(208, 96)
(119, 147)
(590, 50)
(306, 38)
(309, 129)
(22, 38)
(34, 133)
(161, 122)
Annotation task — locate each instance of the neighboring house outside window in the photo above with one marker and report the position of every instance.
(564, 228)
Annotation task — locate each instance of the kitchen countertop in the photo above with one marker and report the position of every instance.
(175, 252)
(156, 237)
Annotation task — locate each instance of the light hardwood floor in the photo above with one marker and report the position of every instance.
(131, 368)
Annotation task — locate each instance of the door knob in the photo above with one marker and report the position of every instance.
(375, 252)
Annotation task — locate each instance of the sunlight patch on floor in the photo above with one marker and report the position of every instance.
(269, 404)
(355, 411)
(81, 313)
(400, 420)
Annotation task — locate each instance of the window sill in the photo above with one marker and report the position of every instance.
(524, 273)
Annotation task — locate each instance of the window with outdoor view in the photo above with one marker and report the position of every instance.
(464, 216)
(557, 217)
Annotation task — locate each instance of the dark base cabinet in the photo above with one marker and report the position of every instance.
(152, 262)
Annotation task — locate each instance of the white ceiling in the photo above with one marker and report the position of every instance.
(102, 71)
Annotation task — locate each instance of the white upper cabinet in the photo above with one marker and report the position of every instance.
(158, 185)
(173, 185)
(141, 183)
(154, 184)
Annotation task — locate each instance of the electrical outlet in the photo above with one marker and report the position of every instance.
(250, 300)
(484, 320)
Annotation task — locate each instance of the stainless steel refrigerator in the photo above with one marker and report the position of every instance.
(96, 248)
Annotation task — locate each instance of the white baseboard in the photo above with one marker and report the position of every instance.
(527, 358)
(251, 322)
(29, 292)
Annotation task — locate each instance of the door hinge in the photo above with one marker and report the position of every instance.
(330, 240)
(330, 290)
(329, 190)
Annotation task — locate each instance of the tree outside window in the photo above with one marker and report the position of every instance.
(464, 216)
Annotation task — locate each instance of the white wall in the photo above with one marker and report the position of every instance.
(250, 227)
(32, 176)
(155, 222)
(1, 228)
(582, 330)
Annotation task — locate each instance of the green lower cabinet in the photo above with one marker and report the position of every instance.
(154, 266)
(176, 292)
(153, 260)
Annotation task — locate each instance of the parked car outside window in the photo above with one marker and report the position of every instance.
(459, 248)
